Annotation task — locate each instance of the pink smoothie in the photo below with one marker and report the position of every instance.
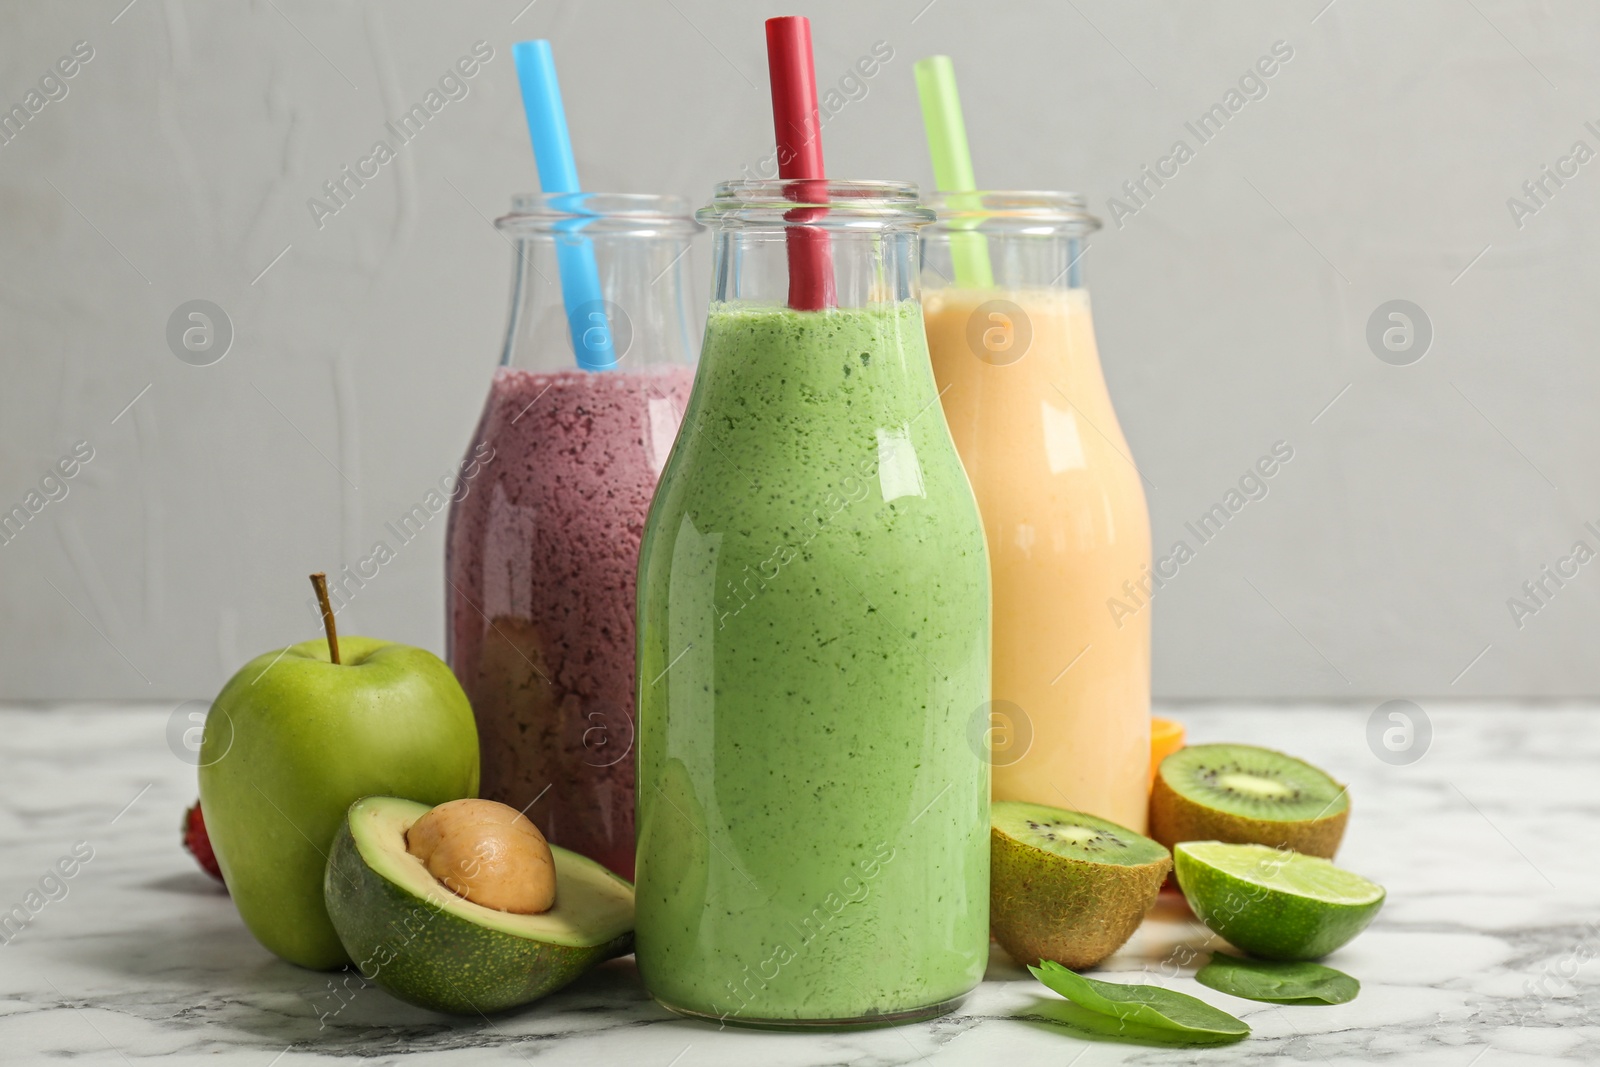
(541, 561)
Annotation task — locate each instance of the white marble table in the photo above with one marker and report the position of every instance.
(1482, 956)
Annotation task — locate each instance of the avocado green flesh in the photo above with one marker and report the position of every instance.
(427, 946)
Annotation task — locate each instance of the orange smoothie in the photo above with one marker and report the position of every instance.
(1067, 526)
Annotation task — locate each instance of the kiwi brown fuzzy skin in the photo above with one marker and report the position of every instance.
(1043, 906)
(1175, 818)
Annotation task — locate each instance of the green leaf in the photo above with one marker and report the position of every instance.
(1277, 982)
(1144, 1005)
(1091, 1026)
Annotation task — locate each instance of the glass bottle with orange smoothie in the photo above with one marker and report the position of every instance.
(1061, 499)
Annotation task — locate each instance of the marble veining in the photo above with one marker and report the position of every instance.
(1484, 954)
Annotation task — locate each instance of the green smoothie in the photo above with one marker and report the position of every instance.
(813, 658)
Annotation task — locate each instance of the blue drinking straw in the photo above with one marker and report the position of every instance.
(558, 173)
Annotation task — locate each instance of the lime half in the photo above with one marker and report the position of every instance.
(1274, 903)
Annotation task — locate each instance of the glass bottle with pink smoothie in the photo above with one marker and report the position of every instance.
(543, 543)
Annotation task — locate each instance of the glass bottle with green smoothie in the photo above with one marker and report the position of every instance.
(813, 642)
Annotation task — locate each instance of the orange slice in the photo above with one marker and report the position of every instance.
(1166, 737)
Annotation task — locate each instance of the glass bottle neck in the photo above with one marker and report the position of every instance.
(1016, 240)
(752, 267)
(957, 260)
(597, 291)
(814, 244)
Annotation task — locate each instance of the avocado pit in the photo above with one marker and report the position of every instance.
(488, 853)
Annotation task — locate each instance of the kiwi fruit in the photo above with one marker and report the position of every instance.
(1244, 795)
(1066, 886)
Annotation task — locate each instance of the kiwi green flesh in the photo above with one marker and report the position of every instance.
(1255, 783)
(1074, 835)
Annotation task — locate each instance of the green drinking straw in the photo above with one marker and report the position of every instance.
(952, 167)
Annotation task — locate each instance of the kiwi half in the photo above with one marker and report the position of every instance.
(1245, 795)
(1066, 886)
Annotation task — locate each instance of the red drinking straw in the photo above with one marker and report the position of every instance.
(798, 126)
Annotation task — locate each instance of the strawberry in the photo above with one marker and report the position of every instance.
(197, 843)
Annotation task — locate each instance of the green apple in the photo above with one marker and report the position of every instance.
(292, 741)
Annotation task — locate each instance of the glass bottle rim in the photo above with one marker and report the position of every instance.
(1021, 211)
(598, 214)
(825, 203)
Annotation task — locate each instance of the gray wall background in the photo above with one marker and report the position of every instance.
(1232, 307)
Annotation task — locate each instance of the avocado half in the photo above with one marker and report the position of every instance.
(430, 947)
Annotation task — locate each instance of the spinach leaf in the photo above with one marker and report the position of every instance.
(1144, 1005)
(1279, 982)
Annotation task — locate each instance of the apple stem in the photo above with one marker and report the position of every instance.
(319, 582)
